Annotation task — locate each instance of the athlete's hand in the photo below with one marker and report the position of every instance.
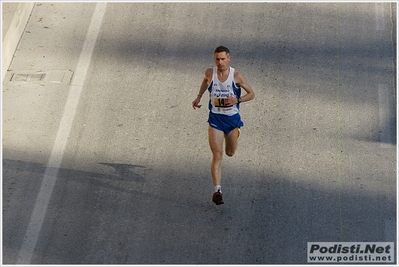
(230, 101)
(195, 103)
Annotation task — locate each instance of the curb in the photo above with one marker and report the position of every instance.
(14, 20)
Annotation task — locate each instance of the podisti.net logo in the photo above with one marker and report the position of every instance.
(351, 252)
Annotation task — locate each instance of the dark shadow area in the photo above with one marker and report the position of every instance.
(126, 172)
(123, 172)
(96, 219)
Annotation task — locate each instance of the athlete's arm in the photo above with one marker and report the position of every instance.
(240, 81)
(204, 85)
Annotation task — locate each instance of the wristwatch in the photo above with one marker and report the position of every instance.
(239, 100)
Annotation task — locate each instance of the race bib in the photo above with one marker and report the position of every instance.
(219, 102)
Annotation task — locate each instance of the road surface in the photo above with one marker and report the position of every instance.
(105, 161)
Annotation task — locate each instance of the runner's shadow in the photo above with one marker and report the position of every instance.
(126, 172)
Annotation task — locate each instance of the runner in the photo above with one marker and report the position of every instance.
(224, 85)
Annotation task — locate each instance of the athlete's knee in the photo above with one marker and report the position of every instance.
(217, 155)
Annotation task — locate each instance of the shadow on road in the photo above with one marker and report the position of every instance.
(266, 221)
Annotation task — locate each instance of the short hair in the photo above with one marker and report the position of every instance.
(221, 49)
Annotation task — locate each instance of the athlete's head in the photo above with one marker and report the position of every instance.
(222, 57)
(221, 48)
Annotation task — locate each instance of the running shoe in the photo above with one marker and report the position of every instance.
(217, 198)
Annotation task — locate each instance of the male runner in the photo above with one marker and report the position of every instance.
(224, 85)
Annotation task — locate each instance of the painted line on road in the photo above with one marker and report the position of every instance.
(384, 116)
(50, 175)
(379, 16)
(338, 99)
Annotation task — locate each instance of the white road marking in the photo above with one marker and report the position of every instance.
(384, 115)
(379, 16)
(50, 175)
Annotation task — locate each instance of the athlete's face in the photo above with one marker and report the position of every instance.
(222, 60)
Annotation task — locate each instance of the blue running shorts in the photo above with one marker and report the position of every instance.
(225, 123)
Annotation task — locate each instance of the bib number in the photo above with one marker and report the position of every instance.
(219, 102)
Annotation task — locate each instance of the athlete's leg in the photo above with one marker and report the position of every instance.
(216, 139)
(231, 142)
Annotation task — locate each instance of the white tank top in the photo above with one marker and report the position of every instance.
(218, 91)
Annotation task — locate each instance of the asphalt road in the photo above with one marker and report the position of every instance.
(105, 161)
